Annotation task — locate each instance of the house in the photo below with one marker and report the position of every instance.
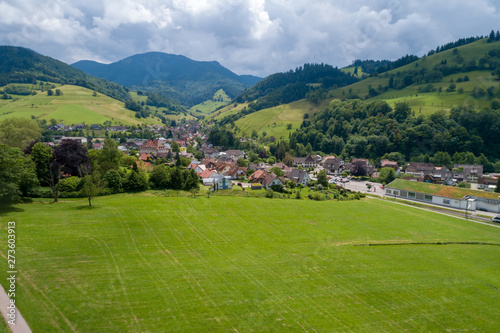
(385, 163)
(485, 182)
(257, 177)
(419, 169)
(145, 157)
(470, 169)
(221, 183)
(334, 165)
(299, 176)
(235, 154)
(95, 127)
(209, 163)
(207, 173)
(258, 166)
(97, 146)
(236, 172)
(305, 162)
(270, 179)
(209, 152)
(117, 128)
(223, 167)
(153, 147)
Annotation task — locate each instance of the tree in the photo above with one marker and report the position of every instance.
(72, 158)
(497, 189)
(92, 186)
(368, 186)
(402, 111)
(19, 132)
(58, 92)
(109, 156)
(42, 156)
(277, 171)
(387, 175)
(175, 147)
(288, 160)
(113, 180)
(323, 178)
(160, 177)
(17, 174)
(50, 92)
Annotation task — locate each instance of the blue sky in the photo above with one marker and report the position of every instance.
(258, 37)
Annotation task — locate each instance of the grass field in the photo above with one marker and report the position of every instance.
(76, 105)
(219, 99)
(152, 264)
(274, 120)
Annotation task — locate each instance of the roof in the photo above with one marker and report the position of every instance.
(206, 173)
(441, 190)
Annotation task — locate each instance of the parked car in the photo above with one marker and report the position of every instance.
(495, 218)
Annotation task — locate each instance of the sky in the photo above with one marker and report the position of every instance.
(258, 37)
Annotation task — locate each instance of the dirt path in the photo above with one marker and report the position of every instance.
(21, 325)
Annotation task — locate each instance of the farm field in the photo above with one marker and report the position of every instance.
(149, 264)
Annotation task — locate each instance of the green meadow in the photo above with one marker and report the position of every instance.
(145, 263)
(274, 121)
(76, 105)
(219, 99)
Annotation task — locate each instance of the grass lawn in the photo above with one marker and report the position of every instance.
(218, 264)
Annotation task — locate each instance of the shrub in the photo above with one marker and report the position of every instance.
(70, 184)
(269, 193)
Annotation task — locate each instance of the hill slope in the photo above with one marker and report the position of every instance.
(21, 65)
(188, 81)
(75, 105)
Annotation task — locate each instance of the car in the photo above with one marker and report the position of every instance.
(495, 218)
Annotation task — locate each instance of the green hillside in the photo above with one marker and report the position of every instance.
(476, 60)
(275, 121)
(470, 80)
(75, 105)
(220, 98)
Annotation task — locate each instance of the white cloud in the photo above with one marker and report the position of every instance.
(247, 36)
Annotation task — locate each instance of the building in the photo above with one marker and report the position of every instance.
(305, 162)
(299, 177)
(334, 165)
(448, 196)
(154, 147)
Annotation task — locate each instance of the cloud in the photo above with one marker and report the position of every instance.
(258, 37)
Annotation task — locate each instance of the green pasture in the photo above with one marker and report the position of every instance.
(274, 120)
(76, 105)
(212, 104)
(144, 263)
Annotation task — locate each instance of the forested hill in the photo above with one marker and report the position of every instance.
(373, 129)
(293, 85)
(174, 76)
(21, 65)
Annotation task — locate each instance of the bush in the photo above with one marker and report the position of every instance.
(70, 184)
(269, 193)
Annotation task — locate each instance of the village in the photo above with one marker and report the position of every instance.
(221, 169)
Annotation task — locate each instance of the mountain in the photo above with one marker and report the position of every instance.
(21, 65)
(175, 76)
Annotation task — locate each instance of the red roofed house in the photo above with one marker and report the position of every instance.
(154, 147)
